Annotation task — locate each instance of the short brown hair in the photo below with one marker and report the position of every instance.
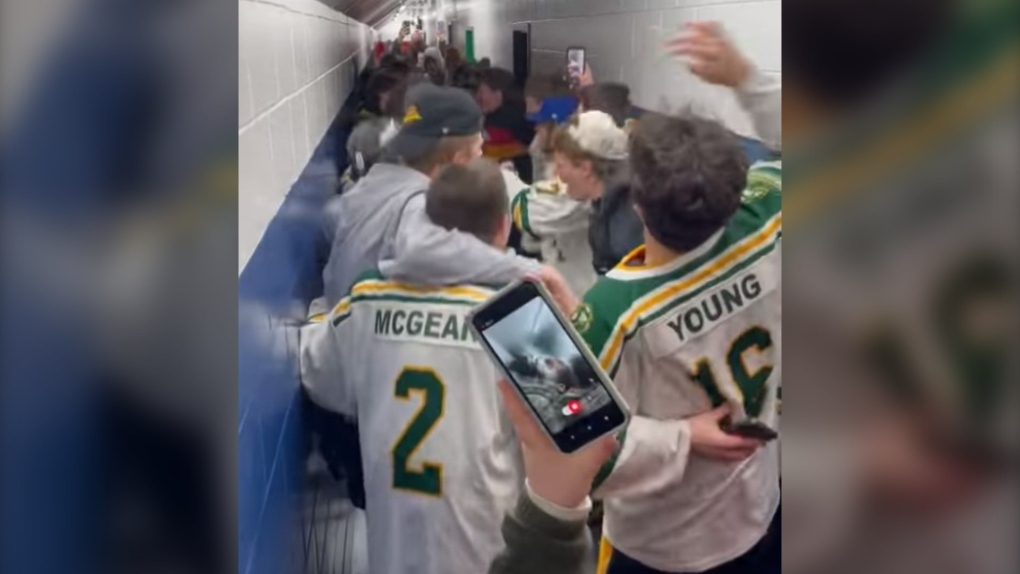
(564, 143)
(441, 153)
(542, 86)
(609, 97)
(688, 175)
(471, 198)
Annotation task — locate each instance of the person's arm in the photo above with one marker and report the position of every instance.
(425, 252)
(712, 57)
(546, 532)
(761, 96)
(651, 453)
(543, 537)
(323, 344)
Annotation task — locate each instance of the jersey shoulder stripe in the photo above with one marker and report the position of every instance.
(610, 300)
(385, 290)
(726, 257)
(341, 311)
(519, 209)
(764, 178)
(757, 213)
(601, 309)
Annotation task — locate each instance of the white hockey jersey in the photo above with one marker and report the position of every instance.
(546, 214)
(679, 339)
(441, 462)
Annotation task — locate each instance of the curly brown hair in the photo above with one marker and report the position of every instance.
(688, 177)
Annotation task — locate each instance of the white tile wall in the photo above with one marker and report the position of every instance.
(625, 41)
(297, 60)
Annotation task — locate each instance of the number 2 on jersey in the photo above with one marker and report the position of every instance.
(751, 385)
(428, 478)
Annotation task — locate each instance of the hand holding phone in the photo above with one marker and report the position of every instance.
(749, 428)
(549, 366)
(710, 438)
(576, 65)
(563, 479)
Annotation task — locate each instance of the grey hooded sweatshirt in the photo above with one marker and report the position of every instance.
(381, 222)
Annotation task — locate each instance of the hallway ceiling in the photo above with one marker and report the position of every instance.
(371, 12)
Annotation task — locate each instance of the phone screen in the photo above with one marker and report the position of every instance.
(553, 375)
(575, 62)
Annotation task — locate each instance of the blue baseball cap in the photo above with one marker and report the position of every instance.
(556, 110)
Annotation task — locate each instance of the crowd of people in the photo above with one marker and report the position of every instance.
(659, 235)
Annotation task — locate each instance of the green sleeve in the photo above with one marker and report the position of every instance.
(598, 316)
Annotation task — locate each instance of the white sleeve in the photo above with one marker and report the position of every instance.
(326, 345)
(761, 95)
(541, 214)
(651, 455)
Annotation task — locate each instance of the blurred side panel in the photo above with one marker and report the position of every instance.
(900, 422)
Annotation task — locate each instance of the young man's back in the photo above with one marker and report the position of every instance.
(681, 339)
(689, 326)
(441, 463)
(440, 459)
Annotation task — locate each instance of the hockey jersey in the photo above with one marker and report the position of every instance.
(441, 462)
(545, 213)
(679, 339)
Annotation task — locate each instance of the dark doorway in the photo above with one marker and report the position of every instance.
(522, 55)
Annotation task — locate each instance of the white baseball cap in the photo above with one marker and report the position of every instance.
(597, 133)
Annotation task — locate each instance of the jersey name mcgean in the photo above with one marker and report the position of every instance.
(429, 324)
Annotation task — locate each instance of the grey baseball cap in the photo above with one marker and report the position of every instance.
(432, 113)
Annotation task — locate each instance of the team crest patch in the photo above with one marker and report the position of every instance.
(412, 115)
(582, 318)
(758, 186)
(548, 187)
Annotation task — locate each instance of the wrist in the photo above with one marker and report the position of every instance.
(557, 492)
(744, 78)
(558, 505)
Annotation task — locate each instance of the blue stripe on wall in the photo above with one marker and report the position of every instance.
(274, 289)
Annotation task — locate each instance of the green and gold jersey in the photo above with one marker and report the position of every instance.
(680, 339)
(724, 288)
(441, 462)
(546, 214)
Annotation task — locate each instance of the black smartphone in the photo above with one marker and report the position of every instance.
(550, 365)
(576, 62)
(749, 428)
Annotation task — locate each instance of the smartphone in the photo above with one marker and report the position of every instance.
(549, 364)
(576, 62)
(749, 428)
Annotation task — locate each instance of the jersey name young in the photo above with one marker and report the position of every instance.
(716, 307)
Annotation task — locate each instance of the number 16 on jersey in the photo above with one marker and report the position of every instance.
(750, 385)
